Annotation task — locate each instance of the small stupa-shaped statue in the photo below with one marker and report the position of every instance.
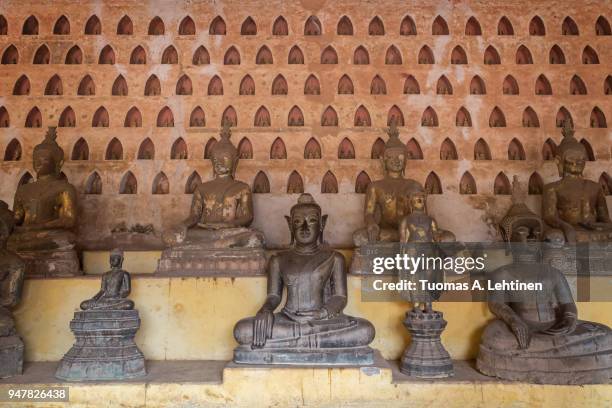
(45, 216)
(216, 237)
(311, 328)
(12, 271)
(537, 336)
(105, 328)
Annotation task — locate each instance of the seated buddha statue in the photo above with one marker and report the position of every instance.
(12, 270)
(537, 336)
(222, 208)
(574, 205)
(115, 288)
(45, 210)
(311, 327)
(386, 201)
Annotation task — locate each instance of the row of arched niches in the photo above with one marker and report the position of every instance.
(312, 26)
(295, 184)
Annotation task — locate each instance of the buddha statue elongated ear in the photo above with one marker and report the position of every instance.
(288, 218)
(323, 223)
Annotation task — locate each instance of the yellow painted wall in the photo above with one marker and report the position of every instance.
(192, 318)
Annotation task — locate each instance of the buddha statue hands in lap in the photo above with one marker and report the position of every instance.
(115, 288)
(574, 205)
(45, 210)
(311, 327)
(386, 201)
(221, 209)
(537, 336)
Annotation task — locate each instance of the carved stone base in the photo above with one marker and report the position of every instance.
(104, 347)
(48, 264)
(212, 262)
(426, 357)
(351, 356)
(363, 257)
(11, 356)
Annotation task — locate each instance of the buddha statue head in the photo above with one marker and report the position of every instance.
(521, 228)
(571, 155)
(306, 222)
(48, 156)
(116, 258)
(418, 201)
(395, 153)
(7, 223)
(224, 155)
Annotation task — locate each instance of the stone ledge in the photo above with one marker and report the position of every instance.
(219, 383)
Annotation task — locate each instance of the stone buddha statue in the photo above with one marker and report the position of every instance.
(574, 205)
(311, 327)
(219, 219)
(12, 270)
(386, 201)
(115, 288)
(537, 336)
(45, 215)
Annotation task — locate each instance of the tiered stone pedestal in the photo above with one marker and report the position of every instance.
(50, 264)
(104, 347)
(11, 356)
(212, 262)
(352, 356)
(426, 357)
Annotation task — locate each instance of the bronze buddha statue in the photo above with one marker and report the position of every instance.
(12, 271)
(386, 201)
(574, 205)
(45, 215)
(537, 336)
(115, 288)
(311, 328)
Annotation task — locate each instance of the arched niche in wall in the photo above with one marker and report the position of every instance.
(569, 27)
(501, 185)
(280, 86)
(598, 119)
(536, 184)
(413, 150)
(515, 150)
(146, 150)
(261, 184)
(433, 185)
(120, 87)
(361, 56)
(530, 118)
(13, 151)
(217, 26)
(295, 117)
(208, 147)
(346, 150)
(197, 117)
(41, 56)
(378, 149)
(458, 56)
(481, 150)
(165, 117)
(362, 182)
(34, 118)
(510, 86)
(93, 185)
(133, 118)
(25, 179)
(295, 55)
(395, 116)
(448, 151)
(232, 56)
(280, 26)
(376, 27)
(407, 26)
(312, 26)
(248, 27)
(67, 118)
(74, 56)
(329, 184)
(295, 184)
(10, 55)
(549, 150)
(589, 56)
(87, 87)
(100, 118)
(472, 27)
(443, 86)
(542, 86)
(5, 119)
(262, 117)
(536, 26)
(184, 86)
(201, 56)
(3, 25)
(563, 115)
(329, 117)
(114, 150)
(605, 181)
(345, 85)
(556, 55)
(602, 26)
(107, 55)
(345, 26)
(439, 26)
(187, 26)
(229, 116)
(378, 86)
(30, 26)
(264, 56)
(179, 151)
(329, 55)
(463, 118)
(467, 184)
(589, 149)
(54, 86)
(426, 56)
(138, 56)
(312, 86)
(278, 151)
(312, 150)
(523, 56)
(362, 117)
(156, 27)
(411, 86)
(497, 118)
(393, 56)
(125, 26)
(193, 181)
(215, 86)
(504, 27)
(128, 184)
(491, 56)
(577, 86)
(429, 117)
(170, 55)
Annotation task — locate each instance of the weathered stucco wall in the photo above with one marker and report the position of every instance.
(100, 213)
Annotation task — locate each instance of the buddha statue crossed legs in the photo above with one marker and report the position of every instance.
(311, 327)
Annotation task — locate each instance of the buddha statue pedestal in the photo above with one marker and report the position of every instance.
(205, 258)
(350, 356)
(104, 330)
(426, 357)
(11, 356)
(362, 262)
(51, 264)
(104, 347)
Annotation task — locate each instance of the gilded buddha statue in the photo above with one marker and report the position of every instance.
(12, 271)
(537, 336)
(575, 206)
(45, 215)
(386, 201)
(311, 327)
(216, 238)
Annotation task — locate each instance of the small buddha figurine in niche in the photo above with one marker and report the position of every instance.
(386, 201)
(537, 336)
(115, 288)
(221, 209)
(311, 328)
(12, 271)
(45, 215)
(216, 239)
(574, 205)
